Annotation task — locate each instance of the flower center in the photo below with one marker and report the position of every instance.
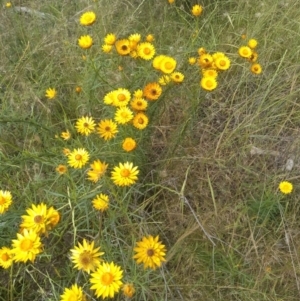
(85, 258)
(150, 252)
(153, 92)
(147, 51)
(168, 65)
(209, 84)
(125, 172)
(86, 125)
(5, 257)
(124, 47)
(2, 200)
(107, 128)
(121, 97)
(78, 157)
(107, 278)
(26, 244)
(141, 121)
(38, 219)
(222, 63)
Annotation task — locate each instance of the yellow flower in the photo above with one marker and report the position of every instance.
(26, 246)
(110, 39)
(106, 48)
(124, 174)
(129, 144)
(171, 1)
(106, 281)
(97, 170)
(177, 77)
(252, 43)
(5, 200)
(120, 97)
(197, 10)
(150, 251)
(122, 46)
(164, 80)
(253, 57)
(61, 169)
(66, 151)
(65, 135)
(157, 60)
(210, 73)
(256, 69)
(245, 52)
(146, 50)
(205, 60)
(85, 42)
(53, 217)
(167, 65)
(208, 83)
(78, 89)
(140, 121)
(150, 38)
(88, 18)
(51, 93)
(101, 202)
(74, 293)
(134, 39)
(8, 4)
(285, 187)
(201, 51)
(222, 63)
(78, 158)
(109, 97)
(128, 290)
(123, 115)
(85, 125)
(107, 129)
(138, 93)
(192, 60)
(86, 257)
(6, 257)
(152, 91)
(139, 104)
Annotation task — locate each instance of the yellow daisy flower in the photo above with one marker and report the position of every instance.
(101, 202)
(88, 18)
(201, 51)
(205, 60)
(86, 257)
(53, 217)
(253, 57)
(222, 63)
(97, 170)
(5, 200)
(145, 51)
(85, 42)
(51, 93)
(6, 257)
(256, 68)
(129, 144)
(164, 80)
(107, 129)
(171, 1)
(140, 121)
(285, 187)
(210, 73)
(136, 37)
(197, 10)
(177, 77)
(124, 174)
(150, 251)
(121, 97)
(152, 91)
(138, 93)
(245, 52)
(26, 246)
(66, 151)
(65, 135)
(157, 60)
(122, 46)
(110, 39)
(74, 293)
(78, 158)
(61, 169)
(128, 290)
(106, 48)
(167, 65)
(150, 38)
(8, 4)
(139, 104)
(192, 60)
(123, 115)
(208, 83)
(252, 43)
(106, 281)
(78, 89)
(109, 97)
(85, 125)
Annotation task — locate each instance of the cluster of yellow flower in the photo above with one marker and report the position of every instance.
(249, 53)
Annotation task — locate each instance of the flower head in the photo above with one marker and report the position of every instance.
(124, 174)
(210, 73)
(245, 52)
(8, 4)
(222, 62)
(150, 38)
(252, 43)
(140, 121)
(285, 187)
(138, 93)
(101, 202)
(205, 60)
(164, 80)
(177, 77)
(50, 93)
(86, 257)
(197, 10)
(107, 129)
(88, 18)
(53, 217)
(85, 125)
(6, 257)
(139, 104)
(61, 169)
(110, 39)
(74, 293)
(65, 135)
(66, 151)
(150, 251)
(120, 97)
(152, 91)
(106, 281)
(129, 144)
(5, 200)
(106, 48)
(97, 170)
(26, 246)
(123, 115)
(192, 60)
(167, 65)
(256, 68)
(128, 290)
(85, 42)
(208, 83)
(122, 46)
(145, 50)
(78, 158)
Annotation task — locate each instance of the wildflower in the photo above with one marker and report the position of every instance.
(121, 97)
(205, 60)
(106, 281)
(129, 144)
(146, 51)
(157, 60)
(8, 4)
(66, 151)
(128, 290)
(210, 73)
(140, 121)
(124, 174)
(164, 80)
(171, 1)
(245, 52)
(51, 93)
(138, 93)
(152, 91)
(106, 48)
(192, 60)
(78, 89)
(253, 57)
(167, 65)
(88, 18)
(86, 257)
(85, 125)
(53, 217)
(61, 169)
(107, 129)
(252, 43)
(73, 294)
(134, 54)
(65, 135)
(222, 63)
(134, 39)
(78, 158)
(150, 38)
(110, 39)
(101, 202)
(97, 170)
(109, 98)
(122, 46)
(6, 257)
(150, 251)
(26, 246)
(123, 115)
(256, 68)
(139, 104)
(85, 42)
(177, 77)
(285, 187)
(5, 200)
(208, 83)
(197, 10)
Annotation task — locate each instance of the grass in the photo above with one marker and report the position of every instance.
(229, 232)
